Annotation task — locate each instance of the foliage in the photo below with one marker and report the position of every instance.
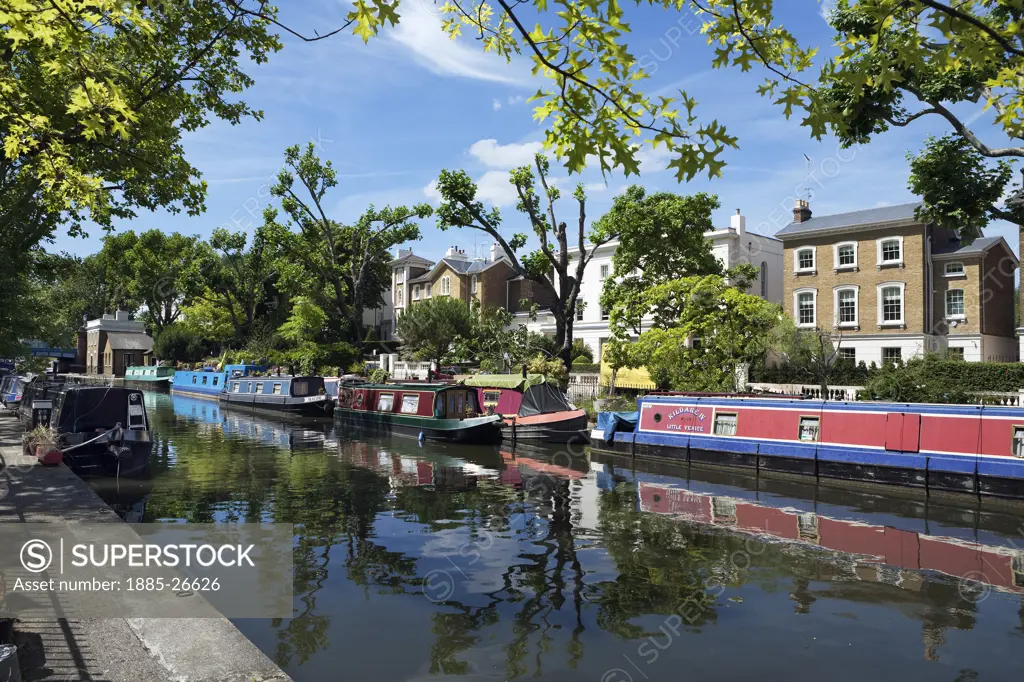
(179, 343)
(661, 238)
(921, 380)
(552, 267)
(496, 343)
(813, 352)
(152, 272)
(379, 376)
(553, 368)
(305, 323)
(44, 436)
(357, 367)
(316, 358)
(207, 319)
(581, 351)
(732, 326)
(342, 269)
(429, 330)
(585, 368)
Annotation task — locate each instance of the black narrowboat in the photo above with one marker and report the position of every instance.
(300, 395)
(101, 430)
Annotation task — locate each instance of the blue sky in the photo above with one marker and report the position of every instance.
(391, 114)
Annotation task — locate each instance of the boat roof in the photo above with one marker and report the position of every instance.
(432, 387)
(516, 381)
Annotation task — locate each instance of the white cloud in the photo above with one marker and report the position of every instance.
(494, 188)
(496, 104)
(504, 156)
(420, 32)
(826, 8)
(430, 191)
(516, 99)
(595, 187)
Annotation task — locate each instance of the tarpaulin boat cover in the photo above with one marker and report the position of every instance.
(515, 381)
(616, 422)
(543, 399)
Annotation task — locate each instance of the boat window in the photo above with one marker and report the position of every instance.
(300, 388)
(471, 402)
(359, 399)
(451, 403)
(725, 424)
(461, 409)
(277, 389)
(215, 380)
(259, 387)
(1018, 441)
(809, 428)
(386, 402)
(234, 387)
(491, 397)
(204, 381)
(410, 403)
(439, 406)
(193, 379)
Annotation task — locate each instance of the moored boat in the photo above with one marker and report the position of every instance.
(963, 448)
(301, 395)
(532, 409)
(209, 382)
(155, 376)
(11, 391)
(444, 412)
(101, 430)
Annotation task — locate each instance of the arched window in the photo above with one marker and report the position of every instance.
(764, 279)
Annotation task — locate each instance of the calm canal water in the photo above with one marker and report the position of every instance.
(428, 562)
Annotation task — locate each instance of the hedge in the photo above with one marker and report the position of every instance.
(585, 368)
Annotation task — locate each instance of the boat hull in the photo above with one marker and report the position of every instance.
(128, 458)
(556, 427)
(475, 430)
(312, 406)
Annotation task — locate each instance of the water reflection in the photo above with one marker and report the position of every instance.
(420, 561)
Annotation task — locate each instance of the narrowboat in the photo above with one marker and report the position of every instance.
(532, 409)
(209, 382)
(960, 448)
(154, 376)
(444, 412)
(101, 430)
(12, 390)
(301, 395)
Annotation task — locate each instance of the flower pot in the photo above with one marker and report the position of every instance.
(49, 454)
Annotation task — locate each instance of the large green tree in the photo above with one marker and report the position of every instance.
(429, 329)
(343, 269)
(557, 267)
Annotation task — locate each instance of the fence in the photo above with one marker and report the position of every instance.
(403, 371)
(583, 387)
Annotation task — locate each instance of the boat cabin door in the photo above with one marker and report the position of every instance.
(903, 432)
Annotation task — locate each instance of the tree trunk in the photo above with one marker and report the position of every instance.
(611, 382)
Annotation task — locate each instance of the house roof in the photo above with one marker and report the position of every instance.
(129, 341)
(839, 221)
(412, 259)
(460, 267)
(978, 247)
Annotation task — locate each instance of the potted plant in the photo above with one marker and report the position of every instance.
(44, 443)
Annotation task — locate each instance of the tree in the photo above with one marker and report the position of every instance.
(496, 343)
(661, 238)
(429, 329)
(343, 269)
(553, 267)
(582, 351)
(178, 343)
(811, 351)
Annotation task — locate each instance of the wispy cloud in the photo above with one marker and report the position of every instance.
(504, 156)
(496, 104)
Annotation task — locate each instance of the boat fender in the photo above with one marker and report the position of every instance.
(421, 437)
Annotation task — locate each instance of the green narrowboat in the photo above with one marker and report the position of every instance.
(157, 376)
(443, 412)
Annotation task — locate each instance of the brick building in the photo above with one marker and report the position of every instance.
(891, 287)
(110, 344)
(465, 279)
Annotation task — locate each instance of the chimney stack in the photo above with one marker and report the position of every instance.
(497, 253)
(739, 223)
(801, 212)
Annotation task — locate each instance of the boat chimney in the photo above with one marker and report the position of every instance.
(524, 370)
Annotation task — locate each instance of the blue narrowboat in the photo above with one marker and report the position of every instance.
(301, 395)
(11, 391)
(976, 449)
(209, 382)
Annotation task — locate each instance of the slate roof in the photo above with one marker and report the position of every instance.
(412, 258)
(128, 341)
(975, 248)
(883, 214)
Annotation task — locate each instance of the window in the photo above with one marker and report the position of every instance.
(846, 306)
(846, 256)
(277, 389)
(955, 353)
(204, 380)
(1018, 442)
(214, 382)
(804, 307)
(472, 284)
(400, 276)
(579, 310)
(410, 403)
(954, 269)
(604, 272)
(725, 424)
(386, 402)
(301, 388)
(892, 354)
(129, 359)
(695, 343)
(890, 251)
(491, 397)
(446, 286)
(809, 428)
(193, 378)
(890, 303)
(416, 292)
(604, 314)
(399, 297)
(804, 260)
(461, 407)
(259, 387)
(234, 387)
(955, 304)
(471, 405)
(428, 290)
(849, 354)
(764, 279)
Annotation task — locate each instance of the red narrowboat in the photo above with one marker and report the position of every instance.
(964, 448)
(532, 409)
(429, 411)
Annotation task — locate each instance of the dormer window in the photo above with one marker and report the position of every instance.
(846, 256)
(890, 251)
(955, 269)
(804, 260)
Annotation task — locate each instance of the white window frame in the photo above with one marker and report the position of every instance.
(878, 251)
(446, 286)
(400, 276)
(429, 287)
(814, 259)
(835, 256)
(903, 304)
(947, 273)
(473, 281)
(399, 296)
(856, 305)
(963, 305)
(388, 398)
(579, 309)
(841, 351)
(796, 307)
(604, 271)
(415, 292)
(410, 403)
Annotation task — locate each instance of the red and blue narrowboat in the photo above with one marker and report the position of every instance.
(532, 409)
(962, 448)
(443, 412)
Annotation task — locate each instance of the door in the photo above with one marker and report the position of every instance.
(903, 432)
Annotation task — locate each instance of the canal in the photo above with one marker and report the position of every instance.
(416, 562)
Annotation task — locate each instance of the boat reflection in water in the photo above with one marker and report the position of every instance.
(435, 560)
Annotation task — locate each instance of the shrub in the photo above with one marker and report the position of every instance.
(357, 367)
(379, 376)
(179, 344)
(585, 368)
(582, 352)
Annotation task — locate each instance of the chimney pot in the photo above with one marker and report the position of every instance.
(802, 211)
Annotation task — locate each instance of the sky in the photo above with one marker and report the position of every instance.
(393, 113)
